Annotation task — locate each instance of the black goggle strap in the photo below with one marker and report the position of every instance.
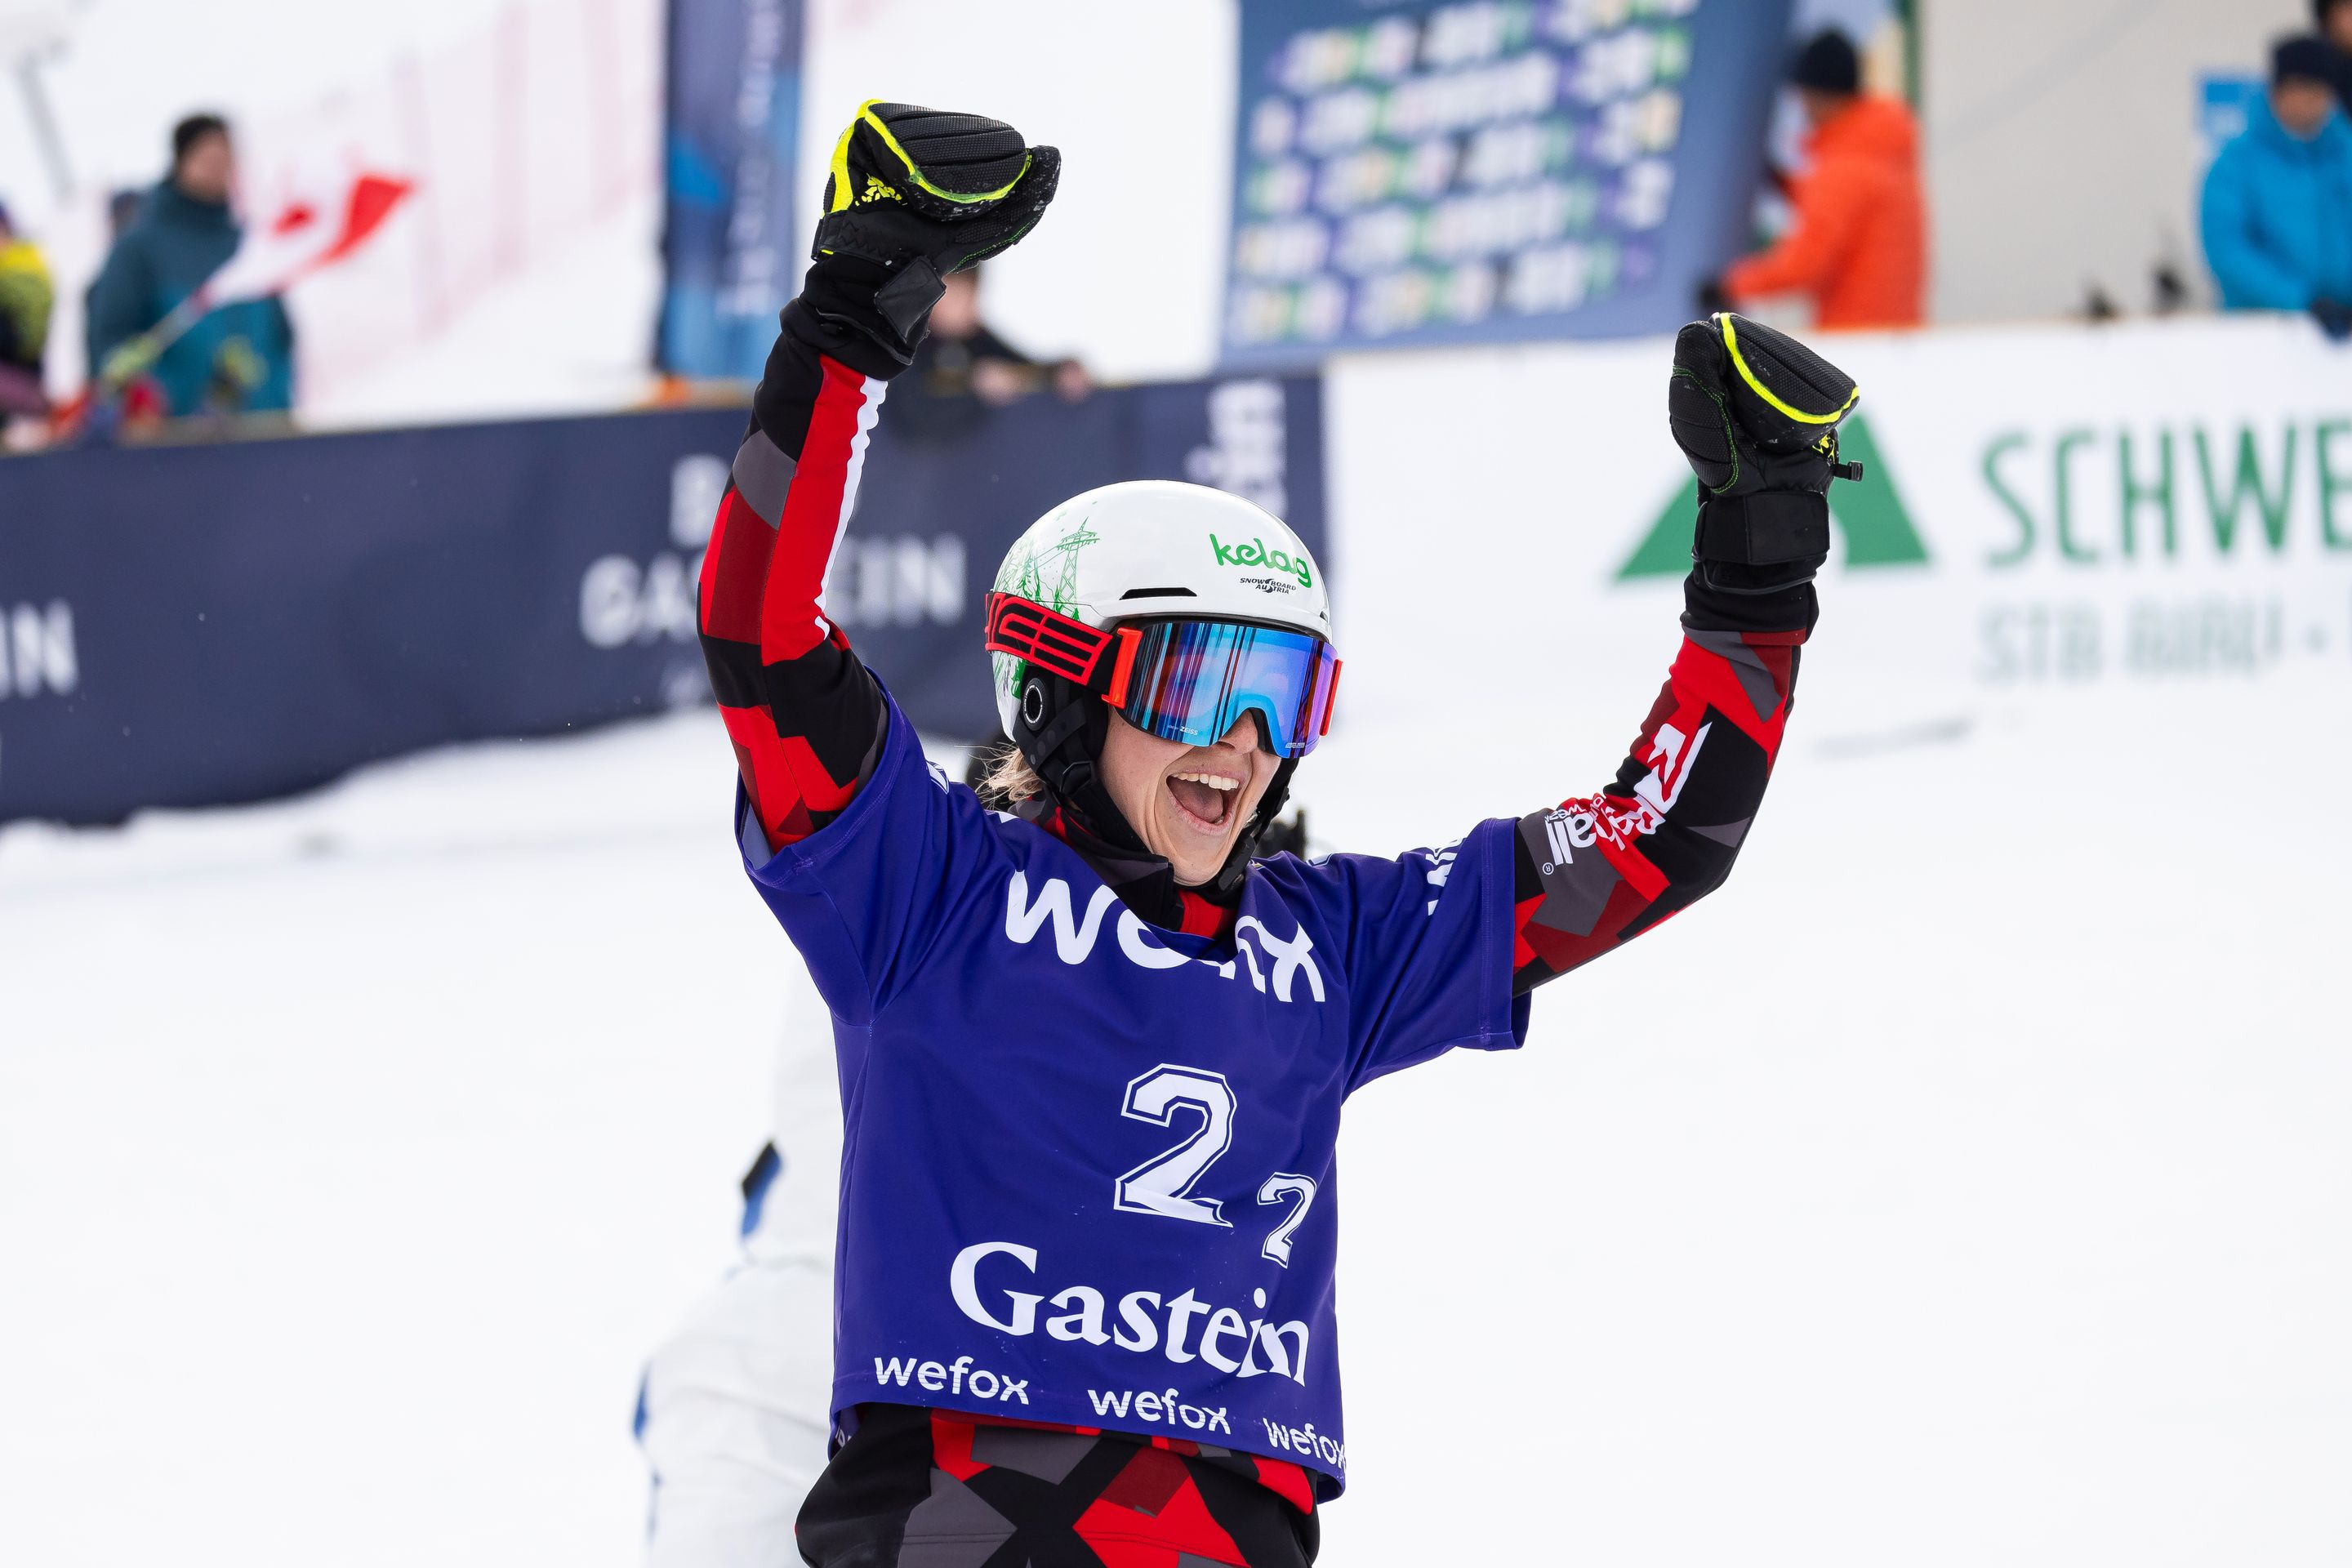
(1099, 660)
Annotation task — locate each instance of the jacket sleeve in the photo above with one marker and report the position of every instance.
(2250, 277)
(1598, 870)
(806, 719)
(1828, 205)
(117, 308)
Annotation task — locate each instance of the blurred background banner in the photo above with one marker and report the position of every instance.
(1415, 172)
(358, 596)
(350, 597)
(732, 254)
(2160, 505)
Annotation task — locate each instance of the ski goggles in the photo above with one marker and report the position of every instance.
(1186, 681)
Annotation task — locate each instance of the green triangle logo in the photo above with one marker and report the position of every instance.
(1871, 514)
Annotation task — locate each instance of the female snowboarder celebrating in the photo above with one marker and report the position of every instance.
(1092, 1052)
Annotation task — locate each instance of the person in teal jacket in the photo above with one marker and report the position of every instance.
(2277, 210)
(238, 358)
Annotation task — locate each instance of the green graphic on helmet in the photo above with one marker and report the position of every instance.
(1024, 572)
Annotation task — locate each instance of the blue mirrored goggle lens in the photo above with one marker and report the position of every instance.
(1191, 680)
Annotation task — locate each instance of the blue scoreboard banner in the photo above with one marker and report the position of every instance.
(1408, 172)
(729, 252)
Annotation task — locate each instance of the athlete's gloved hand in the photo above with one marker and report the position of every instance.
(1757, 412)
(914, 194)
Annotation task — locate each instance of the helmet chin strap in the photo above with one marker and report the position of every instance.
(1061, 728)
(1269, 806)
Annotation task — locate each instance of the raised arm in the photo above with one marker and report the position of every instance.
(1756, 414)
(914, 194)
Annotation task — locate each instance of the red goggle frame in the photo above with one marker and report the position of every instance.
(1096, 659)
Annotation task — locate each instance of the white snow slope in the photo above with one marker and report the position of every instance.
(1965, 1183)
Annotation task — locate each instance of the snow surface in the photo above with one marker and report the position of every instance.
(1965, 1183)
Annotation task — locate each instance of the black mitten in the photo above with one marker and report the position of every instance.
(1757, 412)
(914, 194)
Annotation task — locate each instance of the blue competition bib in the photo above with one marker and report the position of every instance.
(1087, 1164)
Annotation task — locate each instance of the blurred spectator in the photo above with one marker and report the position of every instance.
(240, 358)
(26, 298)
(963, 368)
(2334, 19)
(1858, 244)
(2277, 210)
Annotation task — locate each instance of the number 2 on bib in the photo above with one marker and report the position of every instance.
(1163, 1184)
(1280, 1185)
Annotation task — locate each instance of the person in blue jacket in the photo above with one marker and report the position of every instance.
(238, 358)
(2277, 210)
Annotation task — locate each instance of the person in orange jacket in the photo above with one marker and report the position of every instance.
(1859, 244)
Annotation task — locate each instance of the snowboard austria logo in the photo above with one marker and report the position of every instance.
(1870, 513)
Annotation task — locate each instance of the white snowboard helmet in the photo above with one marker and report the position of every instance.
(1160, 547)
(1145, 551)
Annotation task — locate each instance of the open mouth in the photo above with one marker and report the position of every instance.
(1205, 800)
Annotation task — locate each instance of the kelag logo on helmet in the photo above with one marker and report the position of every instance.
(1255, 553)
